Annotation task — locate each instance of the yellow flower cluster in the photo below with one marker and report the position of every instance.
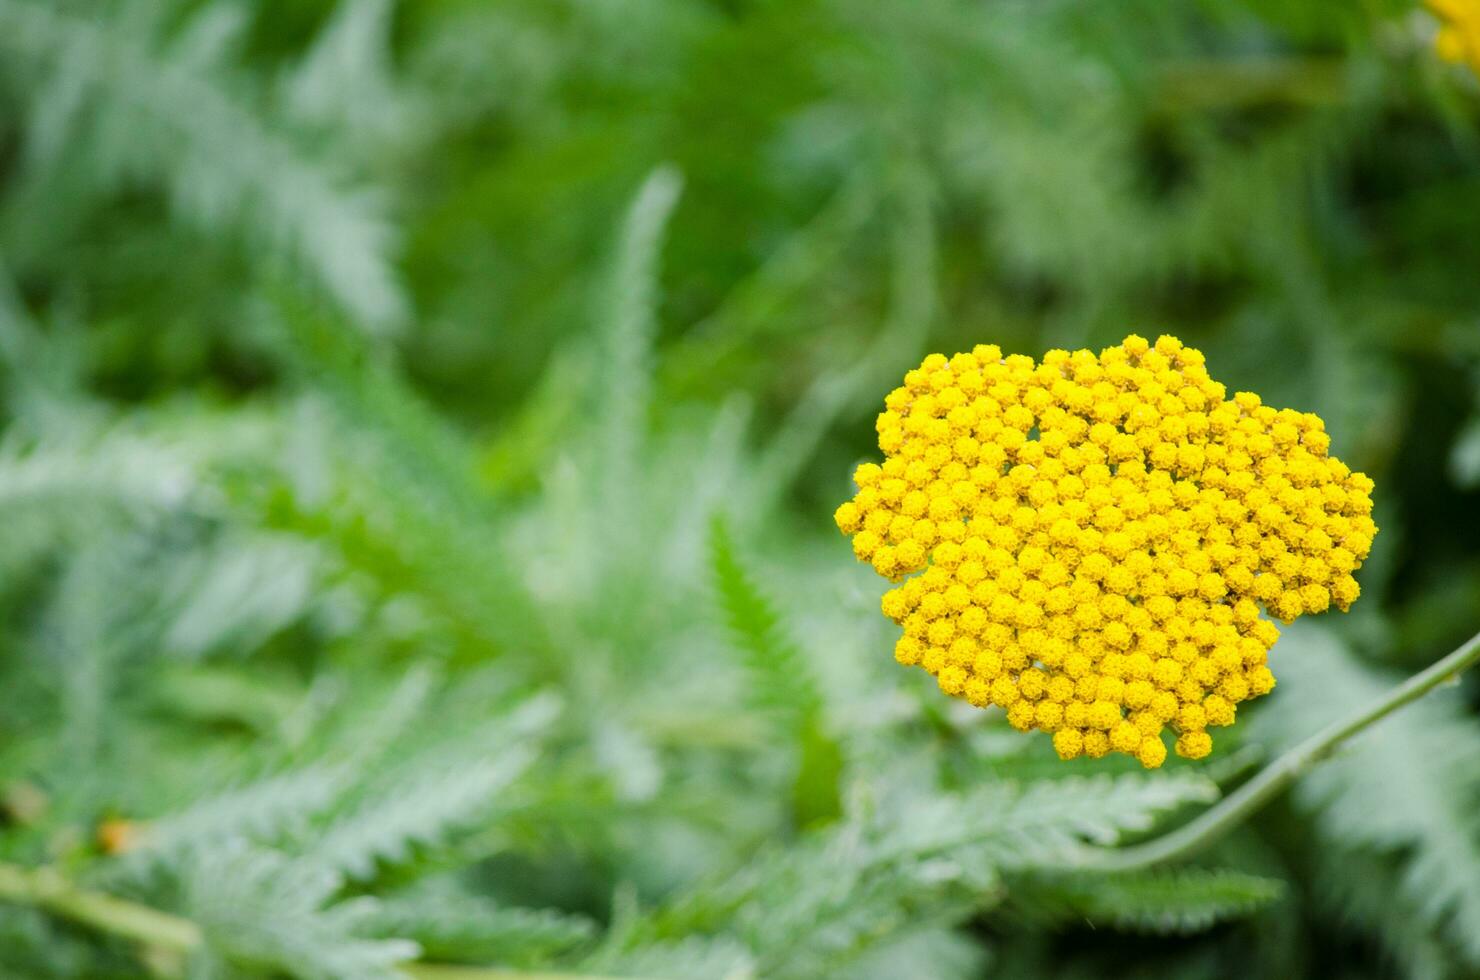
(1088, 542)
(1459, 35)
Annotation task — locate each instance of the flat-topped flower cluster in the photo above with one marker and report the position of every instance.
(1088, 542)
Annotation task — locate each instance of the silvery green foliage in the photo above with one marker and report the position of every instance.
(1399, 794)
(127, 100)
(421, 419)
(265, 910)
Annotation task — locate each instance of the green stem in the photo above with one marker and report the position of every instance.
(45, 888)
(1279, 774)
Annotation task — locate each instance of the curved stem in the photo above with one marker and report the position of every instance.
(1214, 822)
(45, 888)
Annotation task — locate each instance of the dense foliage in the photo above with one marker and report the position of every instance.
(422, 424)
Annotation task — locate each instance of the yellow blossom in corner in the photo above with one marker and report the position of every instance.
(1458, 39)
(1099, 544)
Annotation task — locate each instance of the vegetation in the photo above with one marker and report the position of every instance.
(422, 424)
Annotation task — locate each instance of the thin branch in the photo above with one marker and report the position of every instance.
(1238, 806)
(45, 888)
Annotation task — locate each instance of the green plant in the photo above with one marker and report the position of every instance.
(421, 420)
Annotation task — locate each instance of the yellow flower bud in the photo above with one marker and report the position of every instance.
(1194, 745)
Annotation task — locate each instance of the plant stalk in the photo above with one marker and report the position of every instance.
(47, 889)
(1239, 805)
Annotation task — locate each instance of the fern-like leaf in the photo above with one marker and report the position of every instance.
(1183, 900)
(1404, 789)
(145, 109)
(264, 811)
(782, 682)
(438, 791)
(450, 924)
(400, 500)
(386, 829)
(629, 321)
(1046, 820)
(262, 909)
(815, 908)
(695, 956)
(781, 679)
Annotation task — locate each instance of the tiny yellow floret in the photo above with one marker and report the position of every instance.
(1100, 545)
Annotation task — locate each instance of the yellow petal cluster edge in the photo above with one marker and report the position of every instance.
(1098, 544)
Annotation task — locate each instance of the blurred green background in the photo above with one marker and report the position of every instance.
(422, 422)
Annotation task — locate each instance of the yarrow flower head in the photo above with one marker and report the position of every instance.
(1089, 542)
(1458, 39)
